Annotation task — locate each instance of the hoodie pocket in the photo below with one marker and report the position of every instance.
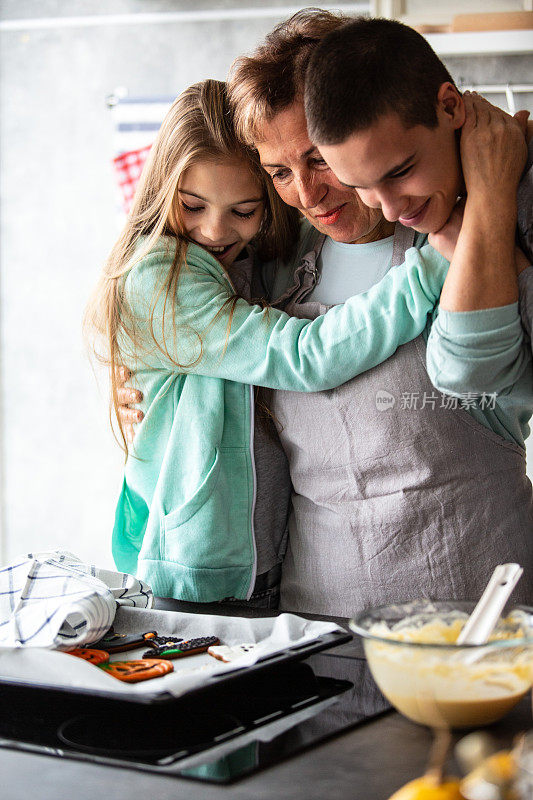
(212, 529)
(184, 513)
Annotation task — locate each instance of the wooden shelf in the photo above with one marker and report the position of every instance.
(479, 43)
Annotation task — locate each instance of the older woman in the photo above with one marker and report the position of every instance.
(389, 501)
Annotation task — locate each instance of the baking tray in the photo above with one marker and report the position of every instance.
(44, 669)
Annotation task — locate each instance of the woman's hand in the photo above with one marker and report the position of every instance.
(522, 117)
(126, 397)
(445, 239)
(493, 149)
(483, 268)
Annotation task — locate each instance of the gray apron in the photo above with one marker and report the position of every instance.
(395, 495)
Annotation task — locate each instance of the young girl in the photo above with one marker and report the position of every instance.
(173, 305)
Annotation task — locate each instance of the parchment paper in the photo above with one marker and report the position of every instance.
(52, 668)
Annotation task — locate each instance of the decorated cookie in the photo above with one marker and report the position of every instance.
(160, 642)
(229, 653)
(121, 642)
(187, 648)
(142, 669)
(93, 656)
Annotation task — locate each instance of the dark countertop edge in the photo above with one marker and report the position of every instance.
(367, 762)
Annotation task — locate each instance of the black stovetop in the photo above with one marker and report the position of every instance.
(219, 734)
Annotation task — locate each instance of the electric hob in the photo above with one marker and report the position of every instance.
(219, 734)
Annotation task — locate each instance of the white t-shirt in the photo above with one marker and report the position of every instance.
(348, 269)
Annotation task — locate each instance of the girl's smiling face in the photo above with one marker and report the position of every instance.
(221, 207)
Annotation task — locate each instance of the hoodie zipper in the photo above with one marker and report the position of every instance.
(254, 476)
(252, 428)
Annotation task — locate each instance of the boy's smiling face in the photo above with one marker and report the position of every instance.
(412, 173)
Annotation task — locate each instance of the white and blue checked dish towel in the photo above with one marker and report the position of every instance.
(52, 599)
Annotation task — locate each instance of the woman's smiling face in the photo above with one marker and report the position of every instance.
(221, 207)
(303, 180)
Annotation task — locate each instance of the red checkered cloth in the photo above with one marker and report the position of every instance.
(128, 167)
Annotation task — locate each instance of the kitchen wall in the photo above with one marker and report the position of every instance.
(442, 11)
(60, 465)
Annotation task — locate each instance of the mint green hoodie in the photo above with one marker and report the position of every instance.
(184, 520)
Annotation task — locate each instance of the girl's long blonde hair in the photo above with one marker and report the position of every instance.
(198, 126)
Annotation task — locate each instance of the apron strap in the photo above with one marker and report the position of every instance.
(404, 238)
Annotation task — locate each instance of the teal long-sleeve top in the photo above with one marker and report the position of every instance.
(184, 519)
(484, 359)
(476, 352)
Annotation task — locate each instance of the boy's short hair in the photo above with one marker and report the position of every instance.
(368, 68)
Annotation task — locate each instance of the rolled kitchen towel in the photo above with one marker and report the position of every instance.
(52, 599)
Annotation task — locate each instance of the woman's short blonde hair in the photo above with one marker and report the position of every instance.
(273, 77)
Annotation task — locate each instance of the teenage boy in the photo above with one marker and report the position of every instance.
(390, 122)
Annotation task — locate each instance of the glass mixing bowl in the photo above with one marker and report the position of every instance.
(412, 653)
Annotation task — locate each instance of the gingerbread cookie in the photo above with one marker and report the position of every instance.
(160, 642)
(227, 653)
(141, 669)
(189, 648)
(121, 642)
(93, 656)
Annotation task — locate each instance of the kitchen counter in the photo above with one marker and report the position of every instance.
(368, 761)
